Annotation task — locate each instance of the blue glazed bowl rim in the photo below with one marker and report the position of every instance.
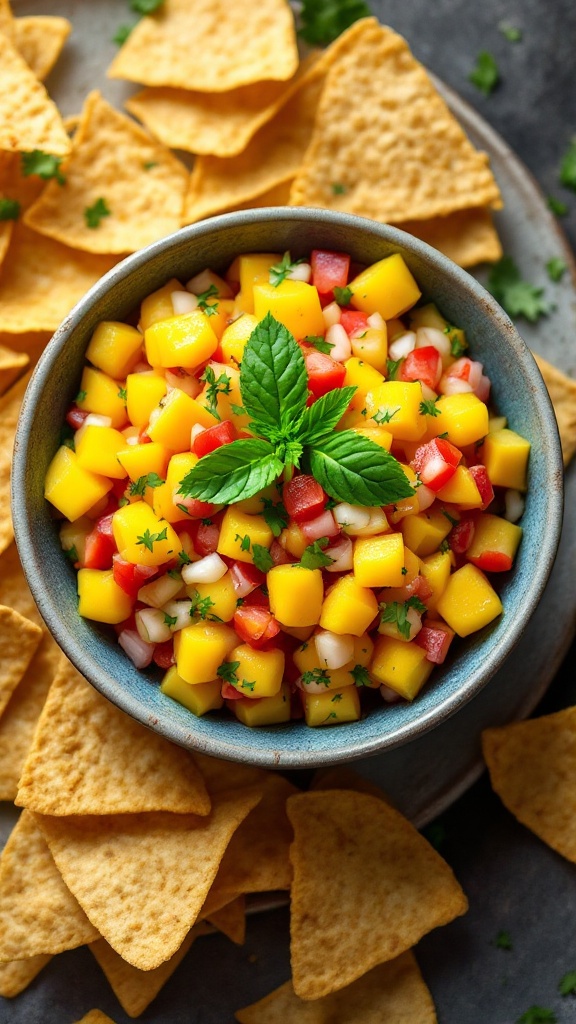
(293, 746)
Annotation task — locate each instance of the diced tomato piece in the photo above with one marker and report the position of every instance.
(323, 525)
(354, 322)
(143, 437)
(436, 462)
(329, 270)
(164, 654)
(423, 364)
(254, 625)
(435, 638)
(303, 498)
(278, 555)
(324, 373)
(75, 417)
(482, 481)
(493, 561)
(214, 437)
(205, 535)
(461, 535)
(230, 692)
(98, 551)
(196, 509)
(245, 578)
(420, 587)
(131, 577)
(256, 599)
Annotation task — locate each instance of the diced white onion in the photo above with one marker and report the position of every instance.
(453, 386)
(428, 394)
(402, 345)
(332, 314)
(200, 282)
(377, 320)
(139, 652)
(92, 420)
(323, 525)
(432, 336)
(514, 503)
(300, 272)
(333, 650)
(183, 302)
(316, 686)
(413, 618)
(425, 497)
(342, 552)
(159, 591)
(179, 610)
(377, 523)
(151, 625)
(341, 347)
(196, 429)
(355, 516)
(389, 695)
(209, 569)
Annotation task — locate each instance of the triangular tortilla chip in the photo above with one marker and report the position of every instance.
(6, 227)
(19, 639)
(344, 777)
(28, 118)
(14, 590)
(231, 920)
(379, 112)
(562, 391)
(16, 975)
(210, 45)
(223, 776)
(112, 159)
(95, 1017)
(31, 344)
(532, 768)
(341, 840)
(39, 39)
(88, 757)
(392, 993)
(142, 878)
(6, 18)
(467, 236)
(12, 364)
(37, 912)
(9, 411)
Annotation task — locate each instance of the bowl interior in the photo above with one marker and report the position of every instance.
(518, 392)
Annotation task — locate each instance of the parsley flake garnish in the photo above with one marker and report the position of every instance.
(567, 986)
(397, 613)
(209, 308)
(343, 295)
(319, 343)
(121, 34)
(280, 271)
(170, 620)
(9, 209)
(392, 367)
(538, 1015)
(360, 675)
(457, 345)
(44, 165)
(385, 415)
(275, 515)
(557, 206)
(215, 386)
(201, 606)
(429, 408)
(149, 164)
(316, 675)
(510, 32)
(71, 553)
(123, 394)
(451, 519)
(338, 189)
(148, 539)
(248, 686)
(244, 542)
(313, 556)
(149, 480)
(95, 213)
(556, 268)
(503, 940)
(568, 167)
(81, 397)
(184, 558)
(485, 75)
(444, 546)
(518, 297)
(262, 558)
(227, 671)
(322, 22)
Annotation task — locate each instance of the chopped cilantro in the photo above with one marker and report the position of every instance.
(557, 206)
(336, 698)
(227, 671)
(262, 558)
(518, 297)
(322, 21)
(556, 268)
(201, 607)
(319, 343)
(313, 556)
(397, 613)
(148, 539)
(485, 75)
(123, 501)
(67, 437)
(316, 675)
(280, 271)
(71, 553)
(510, 32)
(183, 508)
(275, 515)
(568, 167)
(215, 386)
(149, 480)
(149, 164)
(385, 415)
(248, 686)
(444, 546)
(567, 986)
(328, 717)
(123, 394)
(429, 408)
(81, 397)
(9, 209)
(174, 574)
(538, 1015)
(239, 602)
(206, 522)
(360, 675)
(44, 165)
(503, 940)
(392, 367)
(244, 542)
(404, 570)
(209, 308)
(184, 558)
(343, 295)
(457, 346)
(338, 189)
(121, 34)
(95, 213)
(451, 519)
(170, 620)
(145, 6)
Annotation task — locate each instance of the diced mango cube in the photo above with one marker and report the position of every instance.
(461, 490)
(100, 598)
(221, 595)
(239, 532)
(198, 699)
(225, 400)
(494, 543)
(430, 316)
(361, 375)
(186, 340)
(166, 501)
(469, 602)
(172, 420)
(379, 561)
(257, 503)
(73, 538)
(295, 594)
(158, 305)
(257, 673)
(332, 707)
(294, 303)
(464, 418)
(396, 406)
(114, 348)
(201, 648)
(424, 532)
(505, 455)
(266, 711)
(234, 339)
(372, 347)
(293, 540)
(70, 488)
(386, 287)
(144, 391)
(348, 607)
(141, 537)
(314, 673)
(249, 269)
(141, 459)
(97, 450)
(436, 569)
(402, 666)
(101, 394)
(378, 435)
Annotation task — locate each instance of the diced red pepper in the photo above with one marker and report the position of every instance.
(131, 577)
(329, 270)
(423, 364)
(482, 481)
(462, 535)
(435, 638)
(324, 373)
(492, 561)
(303, 498)
(164, 654)
(214, 437)
(230, 692)
(254, 625)
(436, 462)
(353, 322)
(75, 417)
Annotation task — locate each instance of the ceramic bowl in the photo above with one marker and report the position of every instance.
(517, 391)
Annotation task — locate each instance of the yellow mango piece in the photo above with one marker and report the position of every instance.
(101, 394)
(386, 287)
(139, 460)
(496, 423)
(143, 538)
(224, 311)
(430, 316)
(221, 594)
(258, 673)
(198, 699)
(115, 348)
(396, 406)
(143, 393)
(505, 455)
(267, 711)
(97, 450)
(348, 607)
(70, 488)
(332, 708)
(436, 569)
(401, 666)
(379, 561)
(255, 505)
(73, 538)
(364, 377)
(235, 336)
(412, 569)
(494, 534)
(461, 490)
(469, 602)
(165, 499)
(424, 532)
(158, 305)
(372, 347)
(294, 303)
(236, 527)
(250, 269)
(186, 340)
(295, 594)
(201, 648)
(100, 598)
(225, 399)
(464, 418)
(379, 435)
(171, 422)
(293, 540)
(307, 660)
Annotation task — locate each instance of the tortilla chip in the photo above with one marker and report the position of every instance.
(344, 777)
(140, 180)
(136, 989)
(12, 365)
(31, 345)
(28, 118)
(142, 878)
(40, 39)
(210, 45)
(19, 639)
(231, 920)
(6, 18)
(397, 120)
(16, 975)
(272, 157)
(14, 590)
(95, 1017)
(214, 124)
(88, 757)
(223, 776)
(393, 992)
(9, 411)
(20, 717)
(562, 391)
(6, 228)
(37, 912)
(341, 840)
(467, 236)
(532, 768)
(42, 280)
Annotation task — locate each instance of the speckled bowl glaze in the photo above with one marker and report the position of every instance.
(518, 392)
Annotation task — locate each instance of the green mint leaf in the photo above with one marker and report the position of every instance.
(360, 675)
(238, 410)
(95, 213)
(319, 343)
(568, 167)
(557, 206)
(232, 472)
(392, 367)
(322, 21)
(343, 295)
(262, 558)
(510, 32)
(280, 271)
(44, 165)
(429, 408)
(352, 468)
(518, 297)
(556, 268)
(121, 34)
(321, 417)
(338, 189)
(538, 1015)
(503, 940)
(485, 75)
(149, 480)
(275, 515)
(145, 6)
(9, 209)
(273, 380)
(215, 386)
(227, 671)
(567, 986)
(313, 556)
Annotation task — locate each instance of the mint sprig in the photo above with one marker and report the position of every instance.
(274, 388)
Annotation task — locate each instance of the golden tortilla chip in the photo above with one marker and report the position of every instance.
(6, 227)
(6, 18)
(30, 344)
(140, 181)
(24, 188)
(39, 39)
(210, 45)
(16, 975)
(467, 236)
(28, 118)
(9, 411)
(142, 878)
(95, 1017)
(223, 776)
(532, 768)
(396, 152)
(20, 717)
(12, 365)
(215, 124)
(562, 391)
(19, 639)
(136, 989)
(88, 757)
(231, 920)
(392, 993)
(367, 886)
(344, 777)
(14, 590)
(37, 912)
(42, 280)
